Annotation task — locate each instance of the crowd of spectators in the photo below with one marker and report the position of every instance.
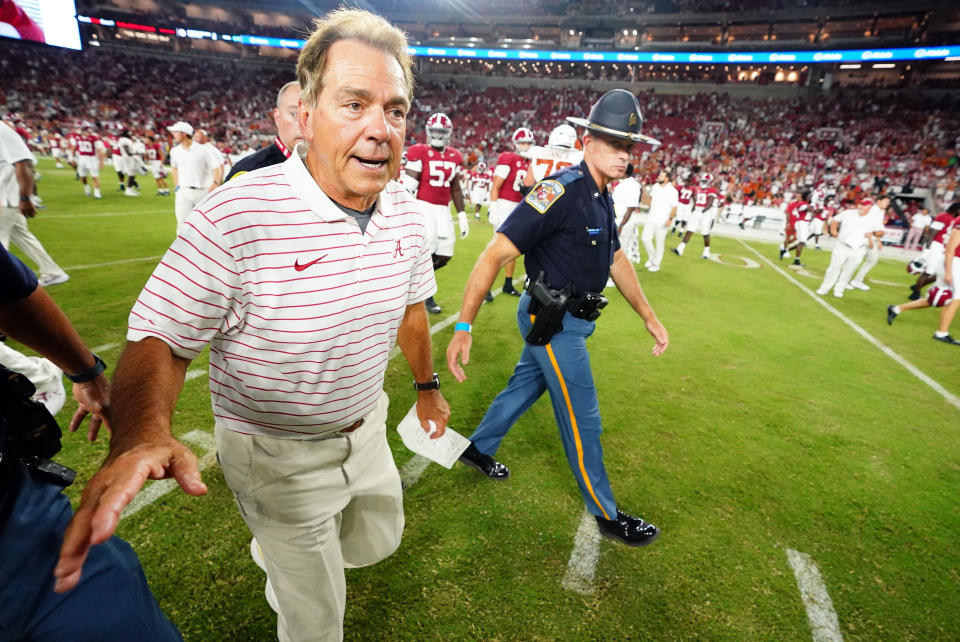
(766, 148)
(854, 141)
(56, 89)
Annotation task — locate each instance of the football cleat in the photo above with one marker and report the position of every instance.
(891, 314)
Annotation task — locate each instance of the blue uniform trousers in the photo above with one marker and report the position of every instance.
(112, 600)
(563, 368)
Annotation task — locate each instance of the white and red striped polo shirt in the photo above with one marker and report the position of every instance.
(300, 309)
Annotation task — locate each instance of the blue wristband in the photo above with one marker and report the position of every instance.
(462, 326)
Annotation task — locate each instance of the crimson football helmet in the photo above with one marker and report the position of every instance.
(916, 266)
(939, 297)
(439, 130)
(522, 136)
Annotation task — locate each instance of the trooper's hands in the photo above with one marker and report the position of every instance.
(433, 412)
(659, 333)
(93, 398)
(459, 348)
(112, 488)
(464, 226)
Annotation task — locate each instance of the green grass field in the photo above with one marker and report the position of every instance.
(768, 425)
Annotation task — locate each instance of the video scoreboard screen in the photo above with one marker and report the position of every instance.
(52, 22)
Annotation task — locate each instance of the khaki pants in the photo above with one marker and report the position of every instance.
(316, 507)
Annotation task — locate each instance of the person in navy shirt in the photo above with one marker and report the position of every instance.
(37, 605)
(566, 229)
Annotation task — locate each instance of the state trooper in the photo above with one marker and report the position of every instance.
(566, 229)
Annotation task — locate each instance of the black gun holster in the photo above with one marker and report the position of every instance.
(548, 307)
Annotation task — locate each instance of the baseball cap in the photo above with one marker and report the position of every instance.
(181, 127)
(865, 201)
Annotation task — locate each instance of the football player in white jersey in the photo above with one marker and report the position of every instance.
(561, 151)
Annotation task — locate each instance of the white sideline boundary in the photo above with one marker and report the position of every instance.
(104, 347)
(951, 398)
(823, 619)
(583, 560)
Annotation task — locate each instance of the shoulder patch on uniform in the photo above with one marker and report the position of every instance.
(543, 195)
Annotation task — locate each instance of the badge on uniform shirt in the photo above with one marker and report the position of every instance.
(543, 194)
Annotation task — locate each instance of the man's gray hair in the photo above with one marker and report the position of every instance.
(349, 24)
(292, 83)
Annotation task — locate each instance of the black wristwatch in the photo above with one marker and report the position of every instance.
(430, 385)
(90, 373)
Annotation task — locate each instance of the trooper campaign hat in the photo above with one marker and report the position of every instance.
(616, 114)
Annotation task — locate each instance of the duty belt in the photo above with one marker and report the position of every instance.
(586, 306)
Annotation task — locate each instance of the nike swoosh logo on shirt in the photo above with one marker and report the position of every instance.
(301, 268)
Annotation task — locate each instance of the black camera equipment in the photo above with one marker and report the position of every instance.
(28, 431)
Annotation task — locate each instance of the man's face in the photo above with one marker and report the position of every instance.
(201, 136)
(285, 117)
(608, 155)
(522, 148)
(356, 130)
(663, 178)
(178, 137)
(883, 204)
(864, 209)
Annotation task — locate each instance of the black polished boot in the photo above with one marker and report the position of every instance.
(484, 463)
(628, 529)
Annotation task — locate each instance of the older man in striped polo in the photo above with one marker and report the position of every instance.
(301, 277)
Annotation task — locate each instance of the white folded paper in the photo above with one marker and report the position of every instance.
(443, 450)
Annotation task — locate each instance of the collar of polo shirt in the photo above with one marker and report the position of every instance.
(305, 185)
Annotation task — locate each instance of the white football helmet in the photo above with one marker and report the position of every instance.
(439, 130)
(563, 136)
(522, 136)
(706, 179)
(481, 167)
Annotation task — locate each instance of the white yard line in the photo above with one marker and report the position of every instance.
(194, 373)
(104, 347)
(411, 471)
(106, 214)
(109, 263)
(951, 398)
(583, 560)
(823, 619)
(161, 487)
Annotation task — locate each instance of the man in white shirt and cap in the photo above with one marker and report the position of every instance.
(851, 228)
(664, 199)
(192, 167)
